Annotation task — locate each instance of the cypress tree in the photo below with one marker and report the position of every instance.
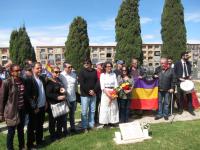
(13, 49)
(173, 29)
(128, 32)
(21, 47)
(77, 44)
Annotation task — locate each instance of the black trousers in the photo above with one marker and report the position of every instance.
(56, 125)
(181, 99)
(35, 127)
(20, 132)
(96, 117)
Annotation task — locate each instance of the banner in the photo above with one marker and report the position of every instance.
(145, 94)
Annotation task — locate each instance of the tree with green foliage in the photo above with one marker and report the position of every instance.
(128, 32)
(21, 47)
(173, 29)
(77, 44)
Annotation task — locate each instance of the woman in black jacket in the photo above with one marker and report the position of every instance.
(55, 94)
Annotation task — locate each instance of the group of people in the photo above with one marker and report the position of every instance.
(28, 93)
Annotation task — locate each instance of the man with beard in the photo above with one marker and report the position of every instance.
(183, 71)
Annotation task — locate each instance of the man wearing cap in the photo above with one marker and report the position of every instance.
(99, 69)
(119, 66)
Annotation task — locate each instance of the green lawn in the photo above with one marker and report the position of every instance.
(197, 86)
(166, 136)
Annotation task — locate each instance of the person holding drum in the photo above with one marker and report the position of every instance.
(166, 83)
(183, 71)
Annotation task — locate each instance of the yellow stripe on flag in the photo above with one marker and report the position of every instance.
(141, 93)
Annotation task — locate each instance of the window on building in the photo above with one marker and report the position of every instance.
(58, 57)
(50, 50)
(157, 53)
(156, 64)
(144, 47)
(42, 50)
(101, 49)
(43, 62)
(108, 55)
(109, 50)
(94, 49)
(94, 55)
(51, 62)
(102, 55)
(156, 46)
(150, 47)
(144, 57)
(150, 52)
(150, 64)
(4, 57)
(43, 56)
(50, 57)
(150, 58)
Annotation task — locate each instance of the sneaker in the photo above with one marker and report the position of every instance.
(166, 117)
(158, 117)
(192, 113)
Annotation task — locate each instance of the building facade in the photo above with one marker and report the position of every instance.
(4, 55)
(55, 54)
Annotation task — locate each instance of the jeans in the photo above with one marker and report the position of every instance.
(163, 103)
(72, 110)
(87, 116)
(20, 132)
(123, 110)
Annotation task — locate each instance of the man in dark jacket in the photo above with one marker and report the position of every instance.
(88, 86)
(183, 71)
(12, 106)
(37, 103)
(165, 86)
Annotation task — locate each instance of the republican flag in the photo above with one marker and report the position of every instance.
(145, 94)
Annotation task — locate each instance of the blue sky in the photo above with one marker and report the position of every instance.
(47, 21)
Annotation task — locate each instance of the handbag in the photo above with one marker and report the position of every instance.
(59, 109)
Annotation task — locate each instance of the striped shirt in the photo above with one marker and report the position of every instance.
(20, 90)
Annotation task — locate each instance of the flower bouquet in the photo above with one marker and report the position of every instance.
(113, 93)
(126, 86)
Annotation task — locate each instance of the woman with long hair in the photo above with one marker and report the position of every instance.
(109, 113)
(124, 94)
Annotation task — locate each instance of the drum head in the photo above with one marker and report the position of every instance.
(187, 85)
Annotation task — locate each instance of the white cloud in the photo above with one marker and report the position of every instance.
(192, 17)
(40, 36)
(148, 36)
(193, 41)
(145, 20)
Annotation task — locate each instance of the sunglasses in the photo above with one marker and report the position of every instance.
(16, 70)
(87, 63)
(69, 67)
(109, 66)
(56, 72)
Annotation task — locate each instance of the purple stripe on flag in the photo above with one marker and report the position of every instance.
(147, 84)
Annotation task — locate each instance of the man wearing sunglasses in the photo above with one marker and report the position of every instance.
(69, 79)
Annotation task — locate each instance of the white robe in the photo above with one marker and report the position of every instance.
(109, 112)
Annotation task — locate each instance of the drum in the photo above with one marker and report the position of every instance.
(187, 86)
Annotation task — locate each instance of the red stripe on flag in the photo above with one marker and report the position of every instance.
(146, 104)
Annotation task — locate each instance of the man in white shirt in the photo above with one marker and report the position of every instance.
(69, 79)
